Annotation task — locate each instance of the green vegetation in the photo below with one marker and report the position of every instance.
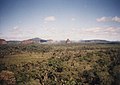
(60, 64)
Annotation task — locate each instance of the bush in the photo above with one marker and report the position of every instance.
(7, 78)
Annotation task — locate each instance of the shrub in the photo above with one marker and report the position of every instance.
(7, 78)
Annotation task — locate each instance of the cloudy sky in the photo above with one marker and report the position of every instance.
(60, 19)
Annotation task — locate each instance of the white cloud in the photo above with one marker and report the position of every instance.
(103, 19)
(109, 19)
(16, 27)
(50, 18)
(73, 19)
(17, 33)
(116, 19)
(16, 30)
(103, 30)
(107, 33)
(77, 33)
(111, 33)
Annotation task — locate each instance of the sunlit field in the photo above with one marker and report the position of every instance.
(60, 64)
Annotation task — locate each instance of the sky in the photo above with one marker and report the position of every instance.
(60, 19)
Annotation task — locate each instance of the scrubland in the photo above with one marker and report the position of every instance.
(60, 64)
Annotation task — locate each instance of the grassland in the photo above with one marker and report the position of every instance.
(60, 64)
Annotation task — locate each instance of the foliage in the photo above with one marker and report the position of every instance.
(62, 64)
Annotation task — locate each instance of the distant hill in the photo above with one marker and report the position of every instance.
(99, 41)
(2, 41)
(45, 41)
(38, 40)
(95, 41)
(114, 42)
(13, 42)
